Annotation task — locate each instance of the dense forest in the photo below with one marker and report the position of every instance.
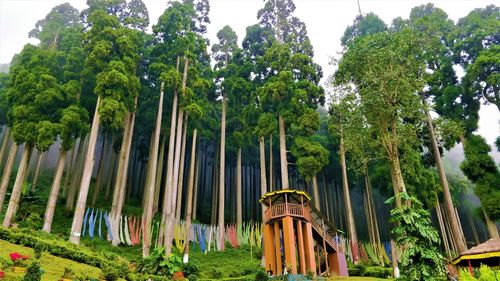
(113, 113)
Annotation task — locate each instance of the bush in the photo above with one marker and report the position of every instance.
(159, 263)
(68, 273)
(261, 275)
(485, 274)
(33, 273)
(215, 274)
(191, 269)
(110, 272)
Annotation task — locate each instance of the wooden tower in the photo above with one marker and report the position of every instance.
(298, 238)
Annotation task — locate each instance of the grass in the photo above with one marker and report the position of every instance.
(53, 266)
(355, 278)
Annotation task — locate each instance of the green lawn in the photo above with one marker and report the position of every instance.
(52, 265)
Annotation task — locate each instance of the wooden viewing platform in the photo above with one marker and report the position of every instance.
(297, 230)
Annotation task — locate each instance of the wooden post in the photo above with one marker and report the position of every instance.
(302, 258)
(269, 251)
(309, 248)
(277, 248)
(289, 243)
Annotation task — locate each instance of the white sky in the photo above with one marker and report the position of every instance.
(326, 21)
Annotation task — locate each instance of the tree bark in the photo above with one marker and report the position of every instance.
(239, 210)
(448, 202)
(70, 197)
(443, 230)
(283, 159)
(98, 181)
(222, 175)
(151, 177)
(271, 162)
(54, 192)
(317, 202)
(159, 173)
(76, 226)
(37, 170)
(263, 180)
(347, 197)
(18, 186)
(4, 184)
(196, 178)
(492, 227)
(5, 143)
(189, 205)
(180, 183)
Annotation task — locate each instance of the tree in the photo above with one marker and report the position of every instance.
(386, 75)
(112, 57)
(363, 25)
(483, 172)
(222, 54)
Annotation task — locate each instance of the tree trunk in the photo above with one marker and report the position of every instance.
(159, 173)
(18, 186)
(181, 172)
(473, 227)
(6, 173)
(347, 197)
(37, 170)
(317, 202)
(443, 230)
(172, 180)
(70, 197)
(263, 180)
(126, 161)
(492, 227)
(70, 167)
(151, 177)
(189, 205)
(271, 162)
(98, 181)
(239, 210)
(54, 192)
(448, 202)
(76, 226)
(5, 142)
(196, 178)
(396, 174)
(222, 171)
(283, 159)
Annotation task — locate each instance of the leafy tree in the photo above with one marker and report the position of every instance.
(420, 259)
(363, 25)
(483, 172)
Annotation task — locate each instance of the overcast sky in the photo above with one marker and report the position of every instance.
(326, 21)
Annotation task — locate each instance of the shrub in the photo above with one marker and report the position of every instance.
(33, 221)
(485, 274)
(34, 273)
(159, 263)
(215, 274)
(191, 269)
(68, 273)
(261, 275)
(4, 264)
(110, 272)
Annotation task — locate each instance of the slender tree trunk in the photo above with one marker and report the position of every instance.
(76, 226)
(5, 143)
(159, 173)
(172, 180)
(271, 162)
(111, 170)
(37, 170)
(473, 227)
(443, 230)
(70, 166)
(347, 197)
(396, 174)
(4, 184)
(54, 192)
(448, 202)
(18, 185)
(283, 156)
(70, 197)
(263, 180)
(492, 227)
(239, 210)
(196, 178)
(181, 172)
(222, 178)
(189, 205)
(151, 178)
(317, 199)
(126, 161)
(98, 181)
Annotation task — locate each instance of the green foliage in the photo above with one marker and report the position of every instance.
(159, 263)
(480, 168)
(311, 156)
(261, 275)
(215, 273)
(33, 221)
(190, 269)
(4, 264)
(34, 272)
(68, 273)
(421, 258)
(363, 25)
(485, 274)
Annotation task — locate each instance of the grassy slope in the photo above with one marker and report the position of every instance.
(53, 266)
